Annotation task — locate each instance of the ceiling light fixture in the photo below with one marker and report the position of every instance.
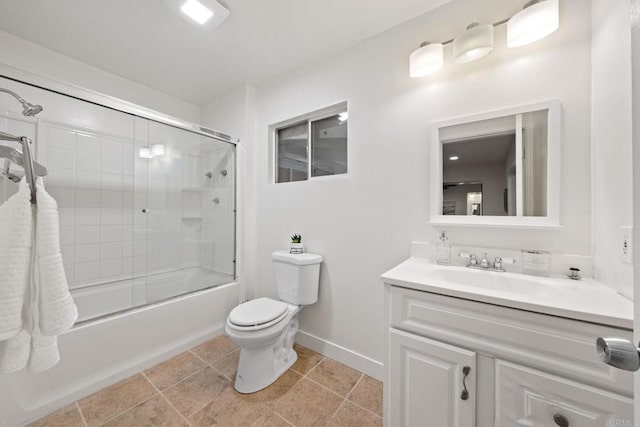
(454, 158)
(196, 11)
(427, 59)
(535, 21)
(343, 117)
(538, 19)
(473, 44)
(208, 13)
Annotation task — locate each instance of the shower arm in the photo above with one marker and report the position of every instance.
(15, 95)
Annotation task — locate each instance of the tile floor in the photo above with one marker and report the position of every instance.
(195, 389)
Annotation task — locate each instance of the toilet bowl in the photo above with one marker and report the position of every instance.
(265, 328)
(266, 349)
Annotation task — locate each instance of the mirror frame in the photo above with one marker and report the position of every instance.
(552, 220)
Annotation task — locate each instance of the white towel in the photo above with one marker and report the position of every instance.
(16, 243)
(48, 308)
(56, 311)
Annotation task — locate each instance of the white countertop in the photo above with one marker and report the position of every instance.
(585, 300)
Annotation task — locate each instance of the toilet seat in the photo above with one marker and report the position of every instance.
(257, 314)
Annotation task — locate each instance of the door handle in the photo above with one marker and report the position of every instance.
(465, 372)
(619, 353)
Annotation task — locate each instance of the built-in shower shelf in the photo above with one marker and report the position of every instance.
(192, 189)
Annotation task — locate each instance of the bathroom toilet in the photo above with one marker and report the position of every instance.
(264, 328)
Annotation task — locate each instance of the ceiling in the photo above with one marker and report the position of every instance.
(143, 41)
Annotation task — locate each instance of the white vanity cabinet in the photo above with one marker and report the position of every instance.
(525, 368)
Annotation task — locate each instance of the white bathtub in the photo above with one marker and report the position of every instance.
(102, 352)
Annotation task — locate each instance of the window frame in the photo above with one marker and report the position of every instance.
(309, 118)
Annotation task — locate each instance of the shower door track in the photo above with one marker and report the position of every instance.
(106, 101)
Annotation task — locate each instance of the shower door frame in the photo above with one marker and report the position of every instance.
(120, 105)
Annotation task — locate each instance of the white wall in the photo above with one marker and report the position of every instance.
(362, 223)
(28, 56)
(611, 141)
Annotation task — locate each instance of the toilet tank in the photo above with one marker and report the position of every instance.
(297, 277)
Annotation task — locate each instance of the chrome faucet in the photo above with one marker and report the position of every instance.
(484, 264)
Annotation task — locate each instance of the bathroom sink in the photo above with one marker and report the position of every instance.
(586, 300)
(505, 282)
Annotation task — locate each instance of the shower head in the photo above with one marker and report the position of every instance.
(29, 109)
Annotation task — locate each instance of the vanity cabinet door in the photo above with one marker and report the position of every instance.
(427, 381)
(527, 397)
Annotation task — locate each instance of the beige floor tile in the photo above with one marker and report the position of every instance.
(308, 404)
(275, 391)
(65, 417)
(335, 376)
(350, 415)
(193, 393)
(307, 359)
(229, 409)
(174, 370)
(155, 412)
(114, 400)
(214, 349)
(270, 419)
(228, 365)
(368, 394)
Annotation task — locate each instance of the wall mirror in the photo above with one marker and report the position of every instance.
(498, 168)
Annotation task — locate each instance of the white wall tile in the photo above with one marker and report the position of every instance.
(111, 250)
(110, 268)
(87, 234)
(67, 235)
(87, 271)
(110, 233)
(87, 216)
(87, 253)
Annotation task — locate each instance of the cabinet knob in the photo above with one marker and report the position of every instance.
(465, 372)
(561, 420)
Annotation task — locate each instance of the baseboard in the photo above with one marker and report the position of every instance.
(355, 360)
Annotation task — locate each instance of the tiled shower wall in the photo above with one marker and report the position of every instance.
(124, 218)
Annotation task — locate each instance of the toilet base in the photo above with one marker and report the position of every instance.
(261, 366)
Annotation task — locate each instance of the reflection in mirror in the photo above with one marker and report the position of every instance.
(496, 167)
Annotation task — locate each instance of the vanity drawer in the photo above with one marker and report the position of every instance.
(528, 397)
(561, 346)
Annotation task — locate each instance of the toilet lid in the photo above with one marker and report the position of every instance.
(257, 312)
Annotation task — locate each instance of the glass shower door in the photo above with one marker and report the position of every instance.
(189, 212)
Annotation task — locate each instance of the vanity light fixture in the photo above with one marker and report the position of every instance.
(538, 19)
(535, 21)
(427, 59)
(473, 44)
(209, 14)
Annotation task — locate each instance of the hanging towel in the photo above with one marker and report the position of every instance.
(56, 312)
(48, 307)
(16, 242)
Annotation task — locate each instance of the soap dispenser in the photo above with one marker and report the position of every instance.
(443, 250)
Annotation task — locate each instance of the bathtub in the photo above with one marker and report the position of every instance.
(101, 352)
